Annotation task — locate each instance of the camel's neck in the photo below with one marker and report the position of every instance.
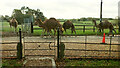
(40, 24)
(95, 24)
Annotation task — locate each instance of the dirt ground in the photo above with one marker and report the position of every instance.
(43, 48)
(44, 63)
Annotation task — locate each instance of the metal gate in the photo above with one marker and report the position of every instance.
(38, 46)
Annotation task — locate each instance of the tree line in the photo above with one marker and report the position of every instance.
(24, 12)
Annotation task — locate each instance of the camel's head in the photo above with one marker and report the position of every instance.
(38, 22)
(61, 30)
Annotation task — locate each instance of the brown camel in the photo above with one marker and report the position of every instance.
(49, 24)
(13, 22)
(105, 25)
(67, 25)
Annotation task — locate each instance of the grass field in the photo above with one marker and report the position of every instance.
(6, 28)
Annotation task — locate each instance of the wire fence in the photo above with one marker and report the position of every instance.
(75, 46)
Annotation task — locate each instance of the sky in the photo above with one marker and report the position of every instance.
(66, 9)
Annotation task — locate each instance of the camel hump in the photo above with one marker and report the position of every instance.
(52, 19)
(68, 21)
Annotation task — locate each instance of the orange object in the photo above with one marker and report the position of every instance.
(103, 41)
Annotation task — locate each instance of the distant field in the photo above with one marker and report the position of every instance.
(6, 28)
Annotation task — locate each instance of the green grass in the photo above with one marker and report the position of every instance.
(10, 63)
(87, 62)
(6, 28)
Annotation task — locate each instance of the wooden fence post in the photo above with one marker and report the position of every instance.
(19, 46)
(31, 27)
(84, 28)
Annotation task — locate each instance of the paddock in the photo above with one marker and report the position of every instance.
(75, 46)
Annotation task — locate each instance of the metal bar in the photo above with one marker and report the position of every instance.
(20, 36)
(58, 43)
(39, 49)
(93, 56)
(9, 43)
(85, 44)
(37, 28)
(83, 28)
(8, 57)
(38, 42)
(19, 46)
(93, 50)
(9, 50)
(90, 43)
(110, 46)
(101, 11)
(39, 55)
(83, 25)
(74, 42)
(119, 17)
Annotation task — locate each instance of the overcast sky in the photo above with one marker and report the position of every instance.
(64, 8)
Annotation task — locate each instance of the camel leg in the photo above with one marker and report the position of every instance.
(54, 32)
(110, 32)
(98, 31)
(71, 31)
(75, 32)
(65, 32)
(14, 30)
(48, 32)
(43, 32)
(102, 30)
(114, 30)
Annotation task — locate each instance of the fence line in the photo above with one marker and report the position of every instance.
(84, 28)
(58, 42)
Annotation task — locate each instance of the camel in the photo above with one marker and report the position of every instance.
(13, 22)
(49, 24)
(105, 25)
(67, 25)
(40, 25)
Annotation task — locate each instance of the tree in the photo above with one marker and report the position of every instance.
(83, 19)
(36, 13)
(2, 18)
(18, 15)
